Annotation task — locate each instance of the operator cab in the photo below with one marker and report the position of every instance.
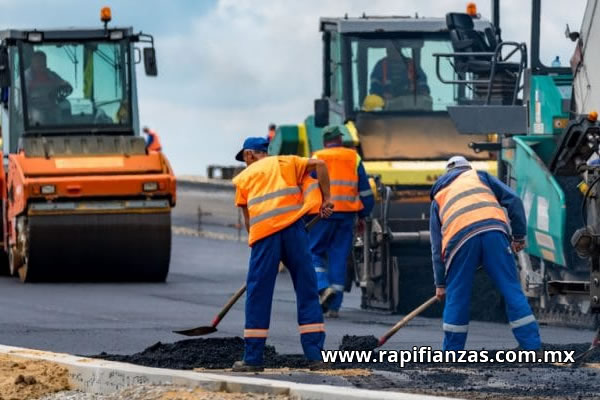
(72, 82)
(380, 73)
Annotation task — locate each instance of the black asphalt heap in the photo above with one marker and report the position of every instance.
(350, 342)
(467, 380)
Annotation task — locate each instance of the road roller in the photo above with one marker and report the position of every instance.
(83, 197)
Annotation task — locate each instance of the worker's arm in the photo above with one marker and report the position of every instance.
(364, 191)
(435, 231)
(241, 200)
(513, 204)
(323, 178)
(246, 218)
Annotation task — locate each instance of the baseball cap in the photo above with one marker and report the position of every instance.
(331, 132)
(253, 143)
(457, 162)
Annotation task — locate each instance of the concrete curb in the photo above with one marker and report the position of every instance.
(105, 377)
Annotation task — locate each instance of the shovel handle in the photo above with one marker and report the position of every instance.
(309, 225)
(406, 319)
(232, 300)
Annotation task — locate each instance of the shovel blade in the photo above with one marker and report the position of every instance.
(199, 331)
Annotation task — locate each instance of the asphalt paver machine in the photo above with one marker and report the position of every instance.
(548, 154)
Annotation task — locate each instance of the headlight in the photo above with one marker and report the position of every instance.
(48, 189)
(116, 35)
(150, 186)
(35, 36)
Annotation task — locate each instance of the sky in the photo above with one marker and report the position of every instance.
(227, 68)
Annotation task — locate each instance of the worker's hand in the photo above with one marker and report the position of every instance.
(440, 293)
(360, 226)
(326, 208)
(517, 245)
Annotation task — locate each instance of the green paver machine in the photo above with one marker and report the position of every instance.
(548, 154)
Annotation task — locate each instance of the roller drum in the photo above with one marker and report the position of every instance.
(133, 247)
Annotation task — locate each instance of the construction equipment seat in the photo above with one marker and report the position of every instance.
(465, 39)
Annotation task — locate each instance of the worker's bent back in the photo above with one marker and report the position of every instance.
(464, 202)
(271, 188)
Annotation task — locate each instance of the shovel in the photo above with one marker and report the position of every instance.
(405, 320)
(205, 330)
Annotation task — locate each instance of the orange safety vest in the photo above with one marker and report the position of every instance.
(464, 202)
(275, 198)
(342, 165)
(154, 145)
(312, 195)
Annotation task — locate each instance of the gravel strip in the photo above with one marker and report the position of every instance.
(154, 392)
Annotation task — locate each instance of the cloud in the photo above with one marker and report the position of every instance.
(246, 63)
(228, 68)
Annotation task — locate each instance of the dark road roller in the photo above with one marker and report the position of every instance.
(83, 196)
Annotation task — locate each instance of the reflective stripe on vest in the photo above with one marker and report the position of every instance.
(342, 165)
(275, 198)
(464, 202)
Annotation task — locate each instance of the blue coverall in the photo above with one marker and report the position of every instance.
(331, 242)
(484, 243)
(290, 245)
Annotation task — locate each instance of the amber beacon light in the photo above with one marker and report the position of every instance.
(472, 9)
(105, 14)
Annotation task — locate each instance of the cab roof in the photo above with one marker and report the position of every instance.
(65, 33)
(369, 24)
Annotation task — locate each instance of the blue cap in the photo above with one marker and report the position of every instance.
(253, 143)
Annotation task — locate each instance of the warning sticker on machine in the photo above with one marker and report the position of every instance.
(89, 162)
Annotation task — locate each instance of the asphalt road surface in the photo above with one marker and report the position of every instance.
(126, 318)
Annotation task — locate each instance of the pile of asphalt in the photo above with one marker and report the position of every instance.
(209, 353)
(357, 343)
(467, 380)
(219, 353)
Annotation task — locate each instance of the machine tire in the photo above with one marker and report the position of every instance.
(4, 265)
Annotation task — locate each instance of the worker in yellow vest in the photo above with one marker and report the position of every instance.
(331, 239)
(469, 228)
(274, 193)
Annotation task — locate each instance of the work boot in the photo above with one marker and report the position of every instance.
(318, 365)
(332, 314)
(325, 297)
(241, 366)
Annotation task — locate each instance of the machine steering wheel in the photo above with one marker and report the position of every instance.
(63, 91)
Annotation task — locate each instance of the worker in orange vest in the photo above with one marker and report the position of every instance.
(274, 193)
(153, 142)
(331, 239)
(272, 131)
(469, 228)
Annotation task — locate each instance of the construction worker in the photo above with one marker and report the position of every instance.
(47, 92)
(397, 75)
(469, 228)
(272, 131)
(331, 239)
(153, 142)
(272, 194)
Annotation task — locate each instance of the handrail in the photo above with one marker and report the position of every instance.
(495, 58)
